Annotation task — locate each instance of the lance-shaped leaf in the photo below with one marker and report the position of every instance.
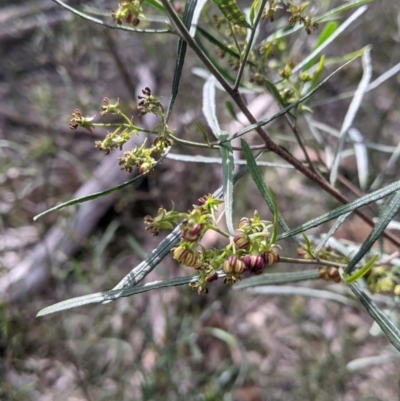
(365, 200)
(108, 296)
(99, 194)
(180, 60)
(389, 210)
(351, 113)
(232, 12)
(328, 30)
(262, 188)
(387, 326)
(209, 111)
(277, 278)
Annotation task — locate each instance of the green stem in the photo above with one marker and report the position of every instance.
(216, 229)
(234, 38)
(319, 262)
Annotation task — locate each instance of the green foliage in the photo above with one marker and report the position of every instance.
(247, 63)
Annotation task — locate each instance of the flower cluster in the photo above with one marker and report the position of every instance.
(250, 250)
(268, 13)
(298, 17)
(115, 140)
(141, 157)
(128, 11)
(150, 103)
(78, 120)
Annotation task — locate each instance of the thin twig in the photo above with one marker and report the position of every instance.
(248, 47)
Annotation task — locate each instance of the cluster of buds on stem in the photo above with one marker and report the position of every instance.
(298, 17)
(78, 120)
(115, 140)
(150, 103)
(142, 158)
(329, 274)
(128, 11)
(268, 13)
(250, 250)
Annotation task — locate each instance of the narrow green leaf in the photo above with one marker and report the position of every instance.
(220, 334)
(345, 57)
(387, 326)
(277, 278)
(388, 211)
(209, 106)
(254, 10)
(228, 165)
(308, 246)
(203, 132)
(232, 12)
(338, 10)
(305, 292)
(231, 109)
(217, 160)
(180, 60)
(262, 188)
(332, 231)
(328, 30)
(155, 4)
(361, 272)
(98, 194)
(276, 216)
(108, 296)
(333, 214)
(318, 72)
(351, 113)
(218, 43)
(275, 93)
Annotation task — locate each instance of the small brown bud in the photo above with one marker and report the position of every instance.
(323, 273)
(333, 273)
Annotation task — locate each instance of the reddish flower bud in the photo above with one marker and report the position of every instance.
(244, 222)
(242, 241)
(212, 277)
(254, 263)
(233, 266)
(270, 258)
(187, 257)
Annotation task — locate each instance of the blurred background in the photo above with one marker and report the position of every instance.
(170, 344)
